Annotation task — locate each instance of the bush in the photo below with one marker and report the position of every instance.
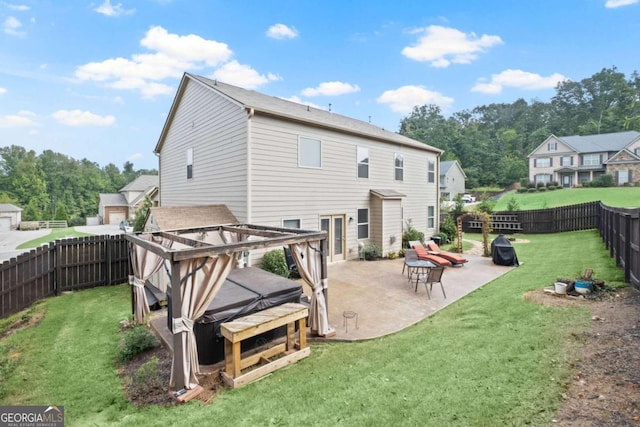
(147, 378)
(512, 204)
(410, 234)
(486, 205)
(449, 228)
(522, 190)
(134, 341)
(542, 189)
(77, 221)
(392, 255)
(371, 251)
(531, 190)
(275, 262)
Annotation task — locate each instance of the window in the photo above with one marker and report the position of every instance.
(552, 146)
(431, 216)
(591, 159)
(291, 223)
(566, 161)
(544, 162)
(431, 171)
(623, 176)
(637, 151)
(399, 164)
(363, 223)
(542, 177)
(309, 153)
(363, 162)
(189, 163)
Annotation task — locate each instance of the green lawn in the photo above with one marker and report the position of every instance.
(620, 197)
(56, 233)
(489, 359)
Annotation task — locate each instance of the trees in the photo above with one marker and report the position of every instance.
(492, 142)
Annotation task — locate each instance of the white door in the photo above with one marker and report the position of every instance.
(334, 226)
(116, 217)
(5, 223)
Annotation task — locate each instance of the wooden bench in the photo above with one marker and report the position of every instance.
(254, 324)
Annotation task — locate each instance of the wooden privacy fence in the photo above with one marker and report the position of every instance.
(620, 231)
(63, 265)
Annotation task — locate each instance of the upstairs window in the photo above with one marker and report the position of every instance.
(189, 163)
(544, 162)
(637, 151)
(399, 166)
(309, 153)
(363, 162)
(566, 161)
(431, 171)
(363, 223)
(552, 146)
(590, 159)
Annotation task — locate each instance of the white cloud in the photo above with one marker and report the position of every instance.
(82, 118)
(17, 7)
(143, 72)
(21, 119)
(331, 89)
(242, 75)
(135, 156)
(11, 26)
(281, 32)
(108, 9)
(518, 79)
(442, 46)
(3, 91)
(611, 4)
(403, 99)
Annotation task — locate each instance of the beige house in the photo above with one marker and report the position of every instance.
(10, 216)
(116, 207)
(279, 163)
(452, 180)
(572, 160)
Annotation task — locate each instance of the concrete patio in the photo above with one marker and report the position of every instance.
(386, 302)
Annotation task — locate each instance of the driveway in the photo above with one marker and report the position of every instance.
(10, 240)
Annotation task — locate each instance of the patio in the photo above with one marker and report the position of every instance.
(385, 301)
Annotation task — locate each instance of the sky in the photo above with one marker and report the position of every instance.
(96, 80)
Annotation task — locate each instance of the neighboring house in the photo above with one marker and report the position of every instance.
(572, 160)
(116, 207)
(283, 164)
(10, 216)
(452, 180)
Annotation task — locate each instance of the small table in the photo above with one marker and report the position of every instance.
(418, 267)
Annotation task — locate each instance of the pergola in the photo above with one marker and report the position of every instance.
(197, 270)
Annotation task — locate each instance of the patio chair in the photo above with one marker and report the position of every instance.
(409, 254)
(456, 259)
(434, 276)
(422, 253)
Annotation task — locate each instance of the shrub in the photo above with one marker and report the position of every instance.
(512, 204)
(134, 341)
(522, 190)
(371, 251)
(486, 205)
(542, 189)
(77, 221)
(392, 255)
(147, 378)
(410, 234)
(449, 228)
(531, 190)
(275, 262)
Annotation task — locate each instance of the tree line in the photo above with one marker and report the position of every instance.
(492, 142)
(55, 186)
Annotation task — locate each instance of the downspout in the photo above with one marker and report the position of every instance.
(251, 113)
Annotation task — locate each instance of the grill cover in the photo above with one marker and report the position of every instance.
(503, 253)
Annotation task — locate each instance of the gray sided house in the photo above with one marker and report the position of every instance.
(452, 180)
(572, 160)
(10, 216)
(278, 163)
(116, 207)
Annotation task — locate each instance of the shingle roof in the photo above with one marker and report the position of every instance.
(445, 166)
(142, 183)
(113, 199)
(602, 142)
(8, 207)
(305, 113)
(177, 217)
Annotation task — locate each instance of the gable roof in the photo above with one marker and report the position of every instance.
(288, 110)
(142, 183)
(448, 164)
(113, 199)
(608, 142)
(8, 207)
(181, 217)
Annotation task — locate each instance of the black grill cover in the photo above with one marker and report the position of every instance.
(503, 253)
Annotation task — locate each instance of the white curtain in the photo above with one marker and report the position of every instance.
(233, 237)
(308, 258)
(144, 263)
(201, 279)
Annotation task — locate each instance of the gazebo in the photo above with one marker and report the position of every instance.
(198, 268)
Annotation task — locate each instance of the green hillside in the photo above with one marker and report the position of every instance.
(621, 197)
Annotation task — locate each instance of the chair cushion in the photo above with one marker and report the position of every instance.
(420, 251)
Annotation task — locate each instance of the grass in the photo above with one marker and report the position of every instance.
(56, 233)
(491, 358)
(620, 197)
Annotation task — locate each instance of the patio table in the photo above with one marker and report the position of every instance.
(419, 268)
